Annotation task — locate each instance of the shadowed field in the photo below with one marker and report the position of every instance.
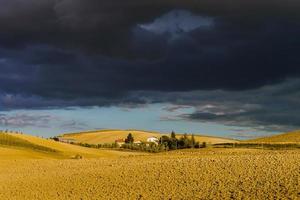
(109, 136)
(185, 174)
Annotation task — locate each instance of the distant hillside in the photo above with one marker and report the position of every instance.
(291, 137)
(109, 136)
(15, 146)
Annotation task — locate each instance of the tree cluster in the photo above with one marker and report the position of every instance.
(182, 143)
(166, 143)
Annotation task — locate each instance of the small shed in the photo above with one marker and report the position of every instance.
(120, 142)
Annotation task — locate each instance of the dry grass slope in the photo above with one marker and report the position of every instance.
(213, 140)
(291, 137)
(11, 141)
(17, 146)
(109, 136)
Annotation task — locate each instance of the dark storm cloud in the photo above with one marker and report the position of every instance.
(105, 27)
(58, 53)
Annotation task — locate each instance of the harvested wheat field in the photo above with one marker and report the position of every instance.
(109, 136)
(186, 174)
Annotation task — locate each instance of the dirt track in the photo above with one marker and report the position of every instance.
(199, 174)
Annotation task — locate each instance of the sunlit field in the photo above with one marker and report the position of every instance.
(37, 168)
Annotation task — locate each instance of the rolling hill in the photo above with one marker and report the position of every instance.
(290, 137)
(15, 146)
(109, 136)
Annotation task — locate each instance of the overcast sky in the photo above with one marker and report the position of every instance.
(229, 68)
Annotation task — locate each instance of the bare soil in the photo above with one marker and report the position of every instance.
(188, 174)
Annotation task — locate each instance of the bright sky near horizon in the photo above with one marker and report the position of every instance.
(156, 117)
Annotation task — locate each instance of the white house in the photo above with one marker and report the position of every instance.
(153, 140)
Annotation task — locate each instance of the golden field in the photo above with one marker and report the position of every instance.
(185, 174)
(34, 168)
(110, 136)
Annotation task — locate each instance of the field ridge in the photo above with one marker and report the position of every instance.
(289, 137)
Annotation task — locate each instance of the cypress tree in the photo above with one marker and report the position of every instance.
(129, 138)
(173, 141)
(173, 135)
(193, 141)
